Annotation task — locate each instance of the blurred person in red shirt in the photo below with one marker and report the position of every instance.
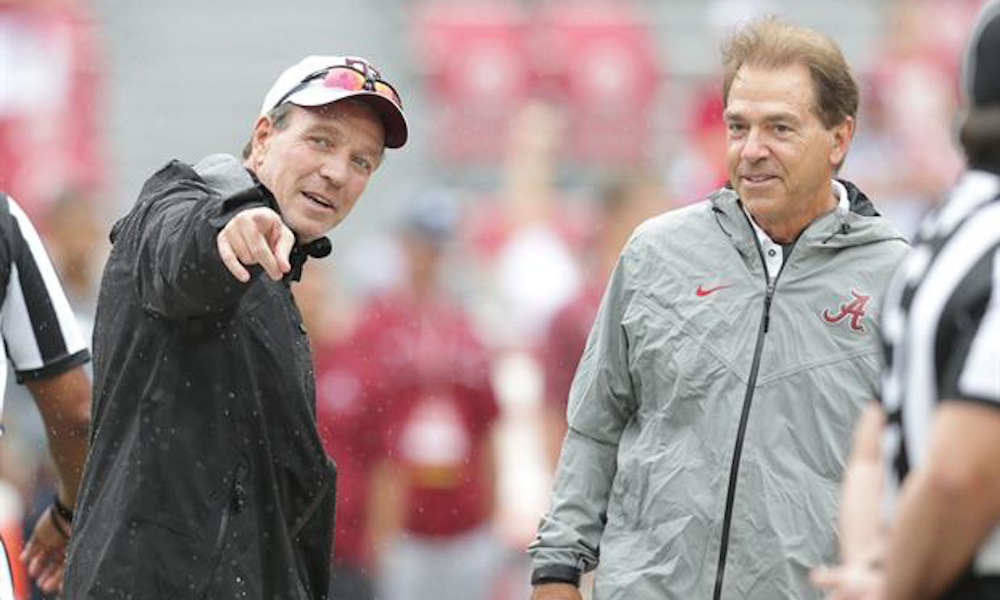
(425, 378)
(49, 102)
(626, 200)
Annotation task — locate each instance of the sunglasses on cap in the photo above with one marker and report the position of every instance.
(354, 77)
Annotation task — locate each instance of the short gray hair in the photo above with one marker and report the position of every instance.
(279, 120)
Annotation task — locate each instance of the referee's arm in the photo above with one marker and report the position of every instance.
(64, 403)
(42, 340)
(948, 505)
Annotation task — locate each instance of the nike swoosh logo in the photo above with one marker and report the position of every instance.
(706, 291)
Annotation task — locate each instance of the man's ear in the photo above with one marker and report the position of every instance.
(842, 135)
(262, 132)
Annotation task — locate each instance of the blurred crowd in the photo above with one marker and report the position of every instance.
(445, 345)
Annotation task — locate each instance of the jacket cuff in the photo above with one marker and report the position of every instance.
(555, 574)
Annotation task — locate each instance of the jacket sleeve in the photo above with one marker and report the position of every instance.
(179, 271)
(601, 403)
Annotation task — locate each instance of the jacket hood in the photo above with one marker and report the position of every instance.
(859, 225)
(221, 173)
(224, 174)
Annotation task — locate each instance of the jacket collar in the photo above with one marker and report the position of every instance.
(856, 224)
(318, 248)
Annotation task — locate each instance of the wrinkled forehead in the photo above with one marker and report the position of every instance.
(351, 113)
(770, 90)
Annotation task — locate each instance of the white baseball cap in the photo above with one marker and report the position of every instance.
(314, 81)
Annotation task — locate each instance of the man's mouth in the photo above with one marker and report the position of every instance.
(320, 200)
(755, 179)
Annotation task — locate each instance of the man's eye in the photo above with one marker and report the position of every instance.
(363, 163)
(735, 128)
(321, 141)
(782, 129)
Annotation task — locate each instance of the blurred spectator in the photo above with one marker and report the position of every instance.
(626, 201)
(699, 168)
(876, 161)
(345, 423)
(527, 241)
(77, 240)
(49, 87)
(905, 147)
(426, 377)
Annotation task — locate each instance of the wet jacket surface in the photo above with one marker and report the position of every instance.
(711, 415)
(206, 477)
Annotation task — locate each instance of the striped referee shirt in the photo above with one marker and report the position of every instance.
(941, 330)
(40, 334)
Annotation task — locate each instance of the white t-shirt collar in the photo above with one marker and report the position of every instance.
(774, 253)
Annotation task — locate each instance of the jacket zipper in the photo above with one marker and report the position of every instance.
(237, 500)
(734, 469)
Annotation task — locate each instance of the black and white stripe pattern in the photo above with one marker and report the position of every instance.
(39, 330)
(941, 328)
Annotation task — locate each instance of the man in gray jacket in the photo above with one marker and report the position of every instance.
(712, 410)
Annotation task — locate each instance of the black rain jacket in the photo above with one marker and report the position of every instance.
(206, 476)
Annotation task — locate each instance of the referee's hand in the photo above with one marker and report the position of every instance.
(256, 236)
(45, 553)
(852, 581)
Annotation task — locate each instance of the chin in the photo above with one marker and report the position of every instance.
(758, 206)
(308, 235)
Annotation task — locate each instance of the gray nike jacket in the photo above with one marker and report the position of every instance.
(712, 411)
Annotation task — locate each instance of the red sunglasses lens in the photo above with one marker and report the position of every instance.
(344, 79)
(347, 78)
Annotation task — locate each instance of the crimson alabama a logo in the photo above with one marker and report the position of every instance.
(853, 309)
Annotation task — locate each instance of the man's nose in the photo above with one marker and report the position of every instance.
(755, 146)
(334, 168)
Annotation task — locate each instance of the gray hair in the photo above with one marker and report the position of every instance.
(279, 120)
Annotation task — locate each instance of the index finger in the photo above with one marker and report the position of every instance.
(229, 258)
(263, 255)
(283, 248)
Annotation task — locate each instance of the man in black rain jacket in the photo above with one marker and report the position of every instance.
(206, 477)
